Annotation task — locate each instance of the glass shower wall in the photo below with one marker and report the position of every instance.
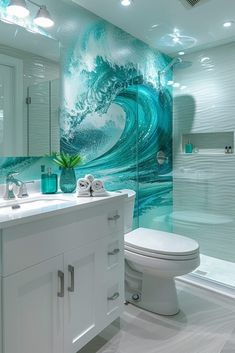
(155, 148)
(204, 183)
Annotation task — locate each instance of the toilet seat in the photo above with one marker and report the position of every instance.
(161, 245)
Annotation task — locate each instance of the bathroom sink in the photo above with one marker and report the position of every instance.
(31, 204)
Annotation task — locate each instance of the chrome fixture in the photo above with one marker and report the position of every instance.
(115, 296)
(161, 158)
(173, 62)
(11, 180)
(23, 192)
(19, 9)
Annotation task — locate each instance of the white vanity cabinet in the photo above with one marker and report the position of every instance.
(62, 278)
(32, 312)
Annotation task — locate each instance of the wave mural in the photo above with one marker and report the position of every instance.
(118, 115)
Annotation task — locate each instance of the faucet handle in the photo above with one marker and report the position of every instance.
(23, 192)
(12, 174)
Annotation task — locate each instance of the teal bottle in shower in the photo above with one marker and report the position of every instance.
(189, 147)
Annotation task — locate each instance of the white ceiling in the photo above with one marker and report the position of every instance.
(198, 27)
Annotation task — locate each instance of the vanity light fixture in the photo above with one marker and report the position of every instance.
(126, 2)
(181, 53)
(19, 9)
(43, 18)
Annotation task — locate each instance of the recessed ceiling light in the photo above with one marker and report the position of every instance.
(170, 83)
(183, 87)
(154, 26)
(126, 2)
(228, 24)
(181, 52)
(176, 85)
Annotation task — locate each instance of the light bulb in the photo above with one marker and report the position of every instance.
(18, 8)
(43, 18)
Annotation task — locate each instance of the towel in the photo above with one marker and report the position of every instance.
(97, 188)
(90, 178)
(84, 187)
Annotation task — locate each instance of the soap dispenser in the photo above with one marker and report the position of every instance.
(49, 181)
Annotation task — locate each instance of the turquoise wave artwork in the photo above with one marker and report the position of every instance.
(117, 113)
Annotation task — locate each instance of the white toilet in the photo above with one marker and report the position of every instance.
(153, 259)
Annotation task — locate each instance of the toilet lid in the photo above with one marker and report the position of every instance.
(158, 242)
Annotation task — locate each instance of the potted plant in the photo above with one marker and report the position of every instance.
(67, 163)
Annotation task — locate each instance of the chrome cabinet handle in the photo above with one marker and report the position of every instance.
(61, 278)
(114, 218)
(115, 296)
(71, 271)
(114, 252)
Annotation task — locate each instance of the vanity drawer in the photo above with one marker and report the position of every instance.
(114, 299)
(114, 251)
(27, 244)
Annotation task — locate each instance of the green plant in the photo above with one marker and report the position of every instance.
(67, 161)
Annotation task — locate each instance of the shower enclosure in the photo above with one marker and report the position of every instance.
(42, 111)
(204, 180)
(193, 194)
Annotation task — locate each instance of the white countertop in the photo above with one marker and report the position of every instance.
(38, 206)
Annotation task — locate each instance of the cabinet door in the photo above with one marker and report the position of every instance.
(33, 309)
(83, 298)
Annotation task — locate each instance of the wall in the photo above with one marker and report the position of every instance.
(115, 111)
(204, 183)
(116, 116)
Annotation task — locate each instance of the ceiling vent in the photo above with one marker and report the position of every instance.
(192, 3)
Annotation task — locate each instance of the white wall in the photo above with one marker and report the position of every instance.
(204, 182)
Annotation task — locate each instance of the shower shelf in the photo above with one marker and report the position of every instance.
(209, 143)
(207, 154)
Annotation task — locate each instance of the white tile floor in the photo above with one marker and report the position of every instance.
(206, 324)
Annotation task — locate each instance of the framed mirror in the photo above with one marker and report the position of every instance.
(29, 92)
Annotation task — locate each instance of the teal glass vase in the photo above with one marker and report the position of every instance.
(68, 181)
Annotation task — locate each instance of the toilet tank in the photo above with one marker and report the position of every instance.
(129, 209)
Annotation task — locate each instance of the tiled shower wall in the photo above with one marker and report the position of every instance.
(204, 182)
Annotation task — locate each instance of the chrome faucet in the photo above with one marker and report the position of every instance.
(11, 180)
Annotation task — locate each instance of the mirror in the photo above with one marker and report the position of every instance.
(29, 92)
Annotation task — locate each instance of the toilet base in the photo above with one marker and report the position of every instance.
(158, 295)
